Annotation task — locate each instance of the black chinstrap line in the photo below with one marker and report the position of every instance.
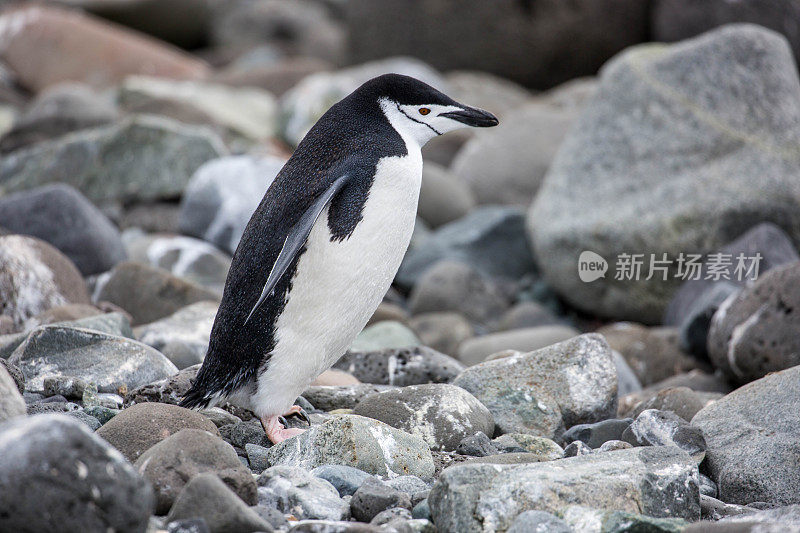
(415, 120)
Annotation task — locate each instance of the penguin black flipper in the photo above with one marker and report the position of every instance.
(296, 239)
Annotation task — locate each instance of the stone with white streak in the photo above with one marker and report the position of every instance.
(548, 390)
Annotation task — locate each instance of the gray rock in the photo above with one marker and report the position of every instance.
(256, 457)
(115, 324)
(88, 420)
(166, 153)
(363, 443)
(526, 315)
(136, 429)
(374, 497)
(346, 479)
(599, 192)
(506, 165)
(63, 217)
(34, 277)
(411, 485)
(755, 465)
(653, 354)
(696, 321)
(307, 101)
(682, 401)
(102, 414)
(546, 391)
(15, 373)
(594, 435)
(11, 402)
(108, 361)
(248, 112)
(149, 293)
(55, 475)
(390, 515)
(491, 239)
(442, 331)
(751, 332)
(538, 522)
(454, 286)
(332, 526)
(189, 525)
(185, 257)
(207, 497)
(665, 428)
(296, 491)
(220, 417)
(402, 367)
(189, 328)
(443, 198)
(214, 211)
(330, 397)
(383, 335)
(478, 445)
(170, 463)
(242, 433)
(611, 445)
(583, 518)
(627, 382)
(479, 349)
(58, 110)
(657, 481)
(707, 486)
(558, 45)
(441, 414)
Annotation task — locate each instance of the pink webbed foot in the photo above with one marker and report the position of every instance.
(277, 432)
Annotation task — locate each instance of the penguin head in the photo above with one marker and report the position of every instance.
(418, 111)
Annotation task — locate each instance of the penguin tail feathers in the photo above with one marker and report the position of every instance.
(195, 398)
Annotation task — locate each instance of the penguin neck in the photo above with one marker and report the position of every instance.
(415, 135)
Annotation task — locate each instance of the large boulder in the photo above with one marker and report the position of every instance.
(620, 185)
(754, 332)
(62, 216)
(752, 437)
(547, 391)
(443, 415)
(35, 277)
(559, 42)
(110, 362)
(97, 161)
(55, 475)
(657, 481)
(214, 211)
(46, 45)
(363, 443)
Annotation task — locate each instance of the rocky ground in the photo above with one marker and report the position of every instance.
(493, 390)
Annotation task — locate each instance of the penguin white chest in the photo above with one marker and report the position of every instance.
(339, 284)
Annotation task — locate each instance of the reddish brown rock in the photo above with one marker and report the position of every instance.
(48, 45)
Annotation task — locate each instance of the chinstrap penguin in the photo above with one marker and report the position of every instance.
(323, 247)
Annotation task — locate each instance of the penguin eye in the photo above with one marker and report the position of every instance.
(424, 110)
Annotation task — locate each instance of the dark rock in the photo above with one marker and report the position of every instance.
(555, 41)
(55, 475)
(62, 216)
(137, 428)
(44, 407)
(753, 332)
(491, 240)
(35, 276)
(696, 321)
(477, 445)
(599, 192)
(329, 397)
(594, 435)
(665, 428)
(652, 353)
(149, 293)
(89, 421)
(682, 401)
(240, 434)
(295, 491)
(169, 390)
(373, 497)
(440, 414)
(546, 391)
(345, 479)
(173, 461)
(751, 436)
(207, 497)
(108, 361)
(257, 457)
(402, 367)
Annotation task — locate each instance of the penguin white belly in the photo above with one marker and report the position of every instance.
(339, 284)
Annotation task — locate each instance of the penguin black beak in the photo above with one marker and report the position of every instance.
(472, 116)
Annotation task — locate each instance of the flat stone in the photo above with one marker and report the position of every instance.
(658, 481)
(295, 491)
(346, 479)
(401, 367)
